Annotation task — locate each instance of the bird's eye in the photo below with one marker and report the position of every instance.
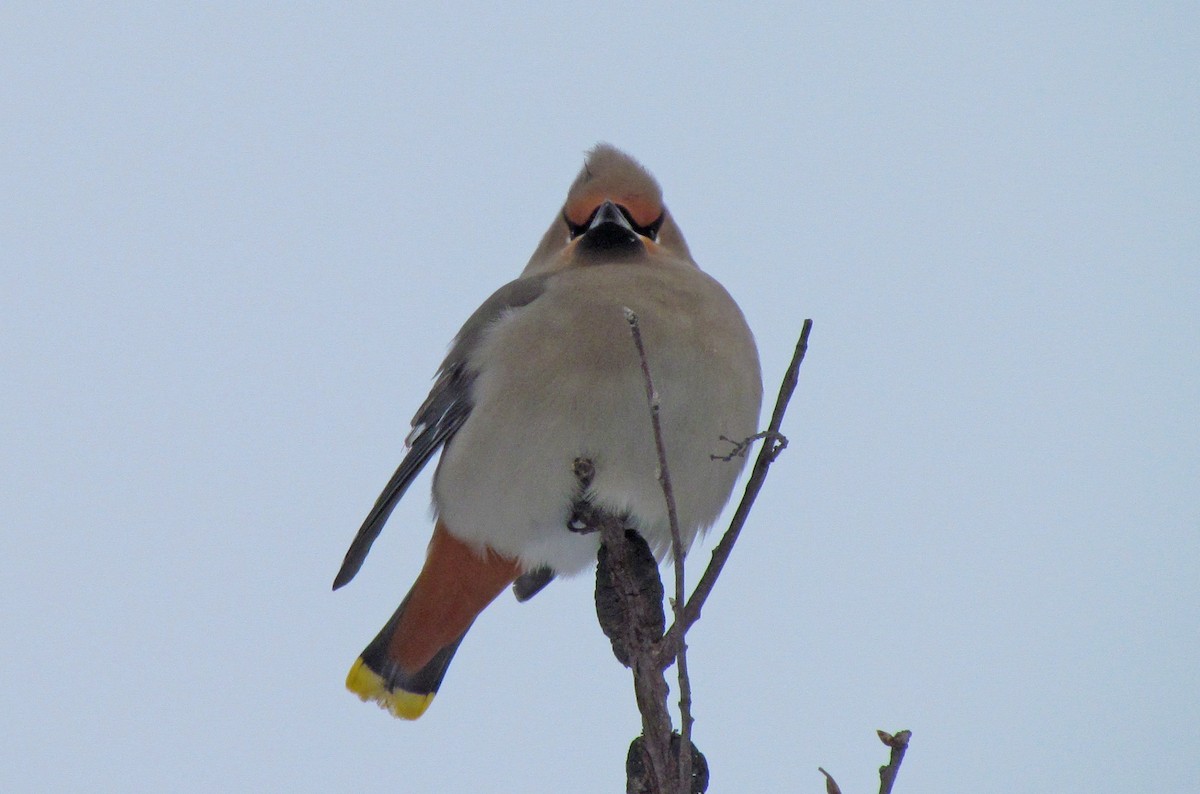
(649, 231)
(578, 229)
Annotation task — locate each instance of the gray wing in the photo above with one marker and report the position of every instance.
(439, 418)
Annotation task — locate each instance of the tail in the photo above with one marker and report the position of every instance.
(378, 675)
(404, 665)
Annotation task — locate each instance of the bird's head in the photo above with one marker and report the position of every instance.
(614, 212)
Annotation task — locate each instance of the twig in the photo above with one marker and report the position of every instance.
(831, 786)
(677, 603)
(887, 773)
(758, 475)
(740, 448)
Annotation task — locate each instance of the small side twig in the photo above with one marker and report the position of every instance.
(740, 448)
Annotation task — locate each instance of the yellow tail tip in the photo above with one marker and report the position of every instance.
(369, 685)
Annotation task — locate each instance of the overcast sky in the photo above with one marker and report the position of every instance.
(235, 240)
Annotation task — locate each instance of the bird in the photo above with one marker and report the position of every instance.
(542, 375)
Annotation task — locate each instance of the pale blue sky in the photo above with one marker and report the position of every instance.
(235, 240)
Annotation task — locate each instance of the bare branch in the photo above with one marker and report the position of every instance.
(831, 786)
(887, 773)
(664, 479)
(629, 595)
(758, 475)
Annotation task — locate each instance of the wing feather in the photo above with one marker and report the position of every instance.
(437, 420)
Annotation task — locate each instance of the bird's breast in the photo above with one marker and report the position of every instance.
(561, 379)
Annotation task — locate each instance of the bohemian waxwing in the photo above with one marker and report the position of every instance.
(545, 373)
